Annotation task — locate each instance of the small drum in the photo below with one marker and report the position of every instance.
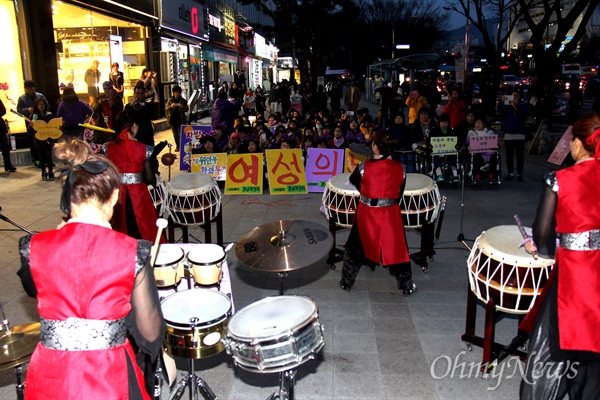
(158, 194)
(205, 263)
(275, 334)
(169, 265)
(501, 271)
(196, 323)
(420, 202)
(193, 199)
(340, 200)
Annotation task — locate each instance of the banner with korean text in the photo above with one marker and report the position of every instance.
(286, 172)
(321, 165)
(352, 160)
(214, 164)
(244, 174)
(190, 138)
(443, 145)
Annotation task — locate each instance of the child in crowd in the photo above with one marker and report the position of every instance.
(44, 147)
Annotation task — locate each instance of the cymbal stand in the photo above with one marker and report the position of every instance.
(286, 386)
(19, 368)
(461, 237)
(5, 323)
(21, 227)
(195, 383)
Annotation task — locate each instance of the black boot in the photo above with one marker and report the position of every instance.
(403, 275)
(352, 264)
(44, 176)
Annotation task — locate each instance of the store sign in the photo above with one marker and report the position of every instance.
(214, 21)
(185, 16)
(210, 54)
(260, 46)
(229, 31)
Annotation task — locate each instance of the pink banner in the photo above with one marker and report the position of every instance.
(321, 165)
(562, 148)
(483, 143)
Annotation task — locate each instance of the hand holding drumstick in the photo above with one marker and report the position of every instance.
(162, 224)
(530, 246)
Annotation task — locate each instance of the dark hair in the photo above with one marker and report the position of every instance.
(176, 88)
(115, 64)
(384, 142)
(29, 84)
(480, 116)
(424, 109)
(585, 128)
(69, 95)
(88, 186)
(144, 73)
(35, 107)
(139, 85)
(222, 95)
(124, 119)
(444, 117)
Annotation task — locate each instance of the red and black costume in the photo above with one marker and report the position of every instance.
(134, 213)
(565, 335)
(88, 298)
(377, 235)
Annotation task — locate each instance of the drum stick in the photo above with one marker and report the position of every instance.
(524, 233)
(20, 115)
(96, 128)
(162, 224)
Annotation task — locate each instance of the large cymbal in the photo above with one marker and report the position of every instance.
(16, 348)
(284, 245)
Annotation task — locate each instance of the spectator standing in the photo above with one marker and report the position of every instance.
(117, 81)
(307, 101)
(335, 97)
(143, 114)
(249, 102)
(110, 105)
(4, 142)
(92, 80)
(273, 100)
(260, 101)
(514, 113)
(223, 112)
(456, 109)
(175, 109)
(44, 147)
(239, 78)
(320, 99)
(285, 97)
(352, 97)
(414, 102)
(156, 95)
(25, 107)
(73, 112)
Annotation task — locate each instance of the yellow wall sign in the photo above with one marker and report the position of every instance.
(286, 172)
(50, 130)
(244, 174)
(214, 164)
(352, 160)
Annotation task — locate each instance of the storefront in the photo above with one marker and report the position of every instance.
(263, 63)
(84, 35)
(183, 32)
(220, 55)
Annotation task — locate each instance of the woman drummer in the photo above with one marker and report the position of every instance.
(93, 285)
(377, 235)
(564, 350)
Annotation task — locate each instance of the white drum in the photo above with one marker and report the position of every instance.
(501, 271)
(193, 199)
(169, 265)
(275, 334)
(205, 263)
(196, 323)
(420, 201)
(158, 194)
(340, 200)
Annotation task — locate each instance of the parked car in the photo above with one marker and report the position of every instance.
(509, 80)
(563, 82)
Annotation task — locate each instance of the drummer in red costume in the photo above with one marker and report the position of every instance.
(377, 235)
(564, 348)
(134, 213)
(93, 285)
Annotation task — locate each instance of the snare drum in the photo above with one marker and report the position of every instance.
(193, 199)
(196, 323)
(205, 263)
(420, 202)
(340, 200)
(275, 334)
(158, 194)
(501, 271)
(169, 265)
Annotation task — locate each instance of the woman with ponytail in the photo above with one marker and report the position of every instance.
(93, 286)
(564, 350)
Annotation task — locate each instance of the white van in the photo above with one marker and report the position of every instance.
(571, 69)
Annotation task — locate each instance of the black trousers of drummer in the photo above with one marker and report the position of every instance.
(354, 259)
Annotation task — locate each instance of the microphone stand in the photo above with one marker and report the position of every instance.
(461, 237)
(21, 227)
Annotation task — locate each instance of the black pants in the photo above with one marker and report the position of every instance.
(354, 259)
(515, 148)
(5, 147)
(45, 154)
(32, 149)
(176, 129)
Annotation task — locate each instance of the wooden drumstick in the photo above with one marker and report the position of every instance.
(524, 233)
(162, 224)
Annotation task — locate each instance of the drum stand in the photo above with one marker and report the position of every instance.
(287, 380)
(207, 226)
(493, 353)
(335, 254)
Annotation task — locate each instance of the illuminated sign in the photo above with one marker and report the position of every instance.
(188, 17)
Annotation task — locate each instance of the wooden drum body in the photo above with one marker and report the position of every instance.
(193, 199)
(501, 271)
(340, 200)
(169, 266)
(420, 201)
(206, 263)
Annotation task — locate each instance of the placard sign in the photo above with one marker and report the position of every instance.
(189, 138)
(443, 144)
(286, 171)
(50, 130)
(483, 143)
(352, 160)
(244, 174)
(563, 147)
(321, 165)
(214, 165)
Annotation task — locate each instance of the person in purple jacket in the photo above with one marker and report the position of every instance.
(73, 112)
(223, 112)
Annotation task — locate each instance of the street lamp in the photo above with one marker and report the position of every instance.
(467, 29)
